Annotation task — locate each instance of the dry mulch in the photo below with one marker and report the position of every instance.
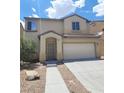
(71, 82)
(35, 86)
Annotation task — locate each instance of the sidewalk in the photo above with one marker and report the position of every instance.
(54, 81)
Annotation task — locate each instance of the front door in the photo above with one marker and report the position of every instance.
(51, 49)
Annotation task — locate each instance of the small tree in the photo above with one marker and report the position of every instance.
(27, 50)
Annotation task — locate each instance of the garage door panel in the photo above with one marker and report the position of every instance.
(79, 51)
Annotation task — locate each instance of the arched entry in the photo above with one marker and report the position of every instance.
(54, 52)
(51, 49)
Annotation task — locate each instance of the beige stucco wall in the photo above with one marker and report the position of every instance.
(64, 27)
(22, 32)
(97, 27)
(101, 46)
(51, 25)
(68, 25)
(44, 25)
(33, 36)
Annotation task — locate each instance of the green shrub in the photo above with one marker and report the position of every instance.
(27, 50)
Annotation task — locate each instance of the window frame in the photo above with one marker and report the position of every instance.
(31, 26)
(75, 26)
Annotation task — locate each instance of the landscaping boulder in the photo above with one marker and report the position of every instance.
(32, 75)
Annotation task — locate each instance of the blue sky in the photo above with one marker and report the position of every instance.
(90, 9)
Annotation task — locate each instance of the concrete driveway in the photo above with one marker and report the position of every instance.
(89, 73)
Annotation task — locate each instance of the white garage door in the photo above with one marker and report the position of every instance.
(79, 51)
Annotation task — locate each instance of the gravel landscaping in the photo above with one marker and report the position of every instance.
(34, 86)
(72, 83)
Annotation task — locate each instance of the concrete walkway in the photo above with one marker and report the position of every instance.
(54, 81)
(89, 73)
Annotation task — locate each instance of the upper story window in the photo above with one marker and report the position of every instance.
(31, 26)
(75, 26)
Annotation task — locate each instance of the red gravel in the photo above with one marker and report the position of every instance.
(35, 86)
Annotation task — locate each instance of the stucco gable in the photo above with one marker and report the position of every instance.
(75, 15)
(48, 33)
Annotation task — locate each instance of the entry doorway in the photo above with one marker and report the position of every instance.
(51, 49)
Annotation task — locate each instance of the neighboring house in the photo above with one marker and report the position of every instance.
(22, 31)
(69, 38)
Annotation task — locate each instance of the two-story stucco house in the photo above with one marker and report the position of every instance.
(70, 38)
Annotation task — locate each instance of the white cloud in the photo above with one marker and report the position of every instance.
(61, 8)
(34, 13)
(34, 16)
(79, 3)
(99, 1)
(99, 8)
(33, 9)
(51, 12)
